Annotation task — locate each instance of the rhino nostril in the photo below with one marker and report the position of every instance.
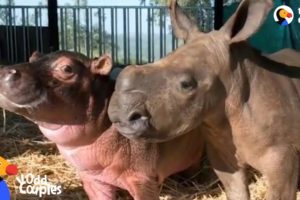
(134, 116)
(137, 116)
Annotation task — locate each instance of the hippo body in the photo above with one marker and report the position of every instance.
(248, 104)
(112, 161)
(66, 95)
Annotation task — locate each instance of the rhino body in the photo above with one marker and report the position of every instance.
(287, 56)
(248, 104)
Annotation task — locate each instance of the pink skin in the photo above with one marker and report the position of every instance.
(108, 163)
(85, 159)
(73, 115)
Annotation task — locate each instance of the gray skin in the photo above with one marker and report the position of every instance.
(248, 104)
(66, 94)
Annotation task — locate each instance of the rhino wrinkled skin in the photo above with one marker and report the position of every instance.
(247, 104)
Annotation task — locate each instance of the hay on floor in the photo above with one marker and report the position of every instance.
(23, 144)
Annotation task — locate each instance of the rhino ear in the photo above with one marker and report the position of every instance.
(35, 56)
(182, 25)
(102, 65)
(247, 19)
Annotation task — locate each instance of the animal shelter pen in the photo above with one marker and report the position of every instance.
(131, 34)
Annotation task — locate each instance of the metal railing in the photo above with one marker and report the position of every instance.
(131, 34)
(23, 29)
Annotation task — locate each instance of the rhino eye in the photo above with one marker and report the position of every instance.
(188, 84)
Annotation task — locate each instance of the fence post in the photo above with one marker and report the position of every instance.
(53, 25)
(218, 14)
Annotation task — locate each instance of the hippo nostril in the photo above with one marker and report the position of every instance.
(134, 116)
(12, 75)
(12, 71)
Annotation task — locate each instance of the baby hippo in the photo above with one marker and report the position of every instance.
(67, 94)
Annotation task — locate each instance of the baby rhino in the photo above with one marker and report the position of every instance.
(67, 94)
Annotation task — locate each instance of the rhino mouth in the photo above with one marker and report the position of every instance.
(133, 128)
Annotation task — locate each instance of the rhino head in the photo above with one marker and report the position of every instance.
(187, 88)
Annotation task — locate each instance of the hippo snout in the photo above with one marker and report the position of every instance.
(19, 85)
(128, 114)
(10, 76)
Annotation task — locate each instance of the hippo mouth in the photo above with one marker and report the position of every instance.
(134, 128)
(31, 101)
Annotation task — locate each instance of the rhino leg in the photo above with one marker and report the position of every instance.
(280, 166)
(232, 177)
(97, 190)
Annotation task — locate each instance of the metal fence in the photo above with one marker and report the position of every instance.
(22, 30)
(135, 34)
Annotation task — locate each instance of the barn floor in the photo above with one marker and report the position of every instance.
(22, 144)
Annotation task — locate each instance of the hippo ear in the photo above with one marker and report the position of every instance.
(35, 56)
(247, 19)
(182, 25)
(102, 65)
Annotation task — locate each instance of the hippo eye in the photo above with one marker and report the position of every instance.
(188, 85)
(67, 69)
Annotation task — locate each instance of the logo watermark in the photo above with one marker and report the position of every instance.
(299, 14)
(283, 15)
(37, 185)
(9, 169)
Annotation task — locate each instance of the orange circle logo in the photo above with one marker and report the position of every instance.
(283, 15)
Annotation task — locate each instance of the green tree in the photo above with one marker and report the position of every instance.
(200, 10)
(189, 2)
(35, 15)
(88, 38)
(5, 13)
(184, 3)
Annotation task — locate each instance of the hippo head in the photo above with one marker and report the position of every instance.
(180, 92)
(54, 88)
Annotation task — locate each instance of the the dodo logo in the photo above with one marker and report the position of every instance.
(6, 169)
(283, 15)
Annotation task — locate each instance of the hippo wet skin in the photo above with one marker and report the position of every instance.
(248, 104)
(66, 95)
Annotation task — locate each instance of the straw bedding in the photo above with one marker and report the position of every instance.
(23, 144)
